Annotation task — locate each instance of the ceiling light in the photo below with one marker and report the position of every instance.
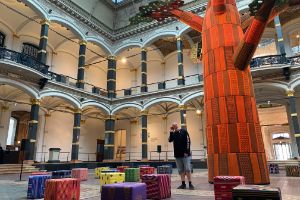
(124, 60)
(297, 36)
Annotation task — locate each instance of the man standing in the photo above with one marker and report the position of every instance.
(182, 153)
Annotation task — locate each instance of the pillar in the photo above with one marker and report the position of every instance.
(32, 128)
(144, 121)
(81, 64)
(280, 41)
(111, 76)
(42, 53)
(109, 146)
(294, 121)
(180, 80)
(182, 110)
(76, 135)
(144, 87)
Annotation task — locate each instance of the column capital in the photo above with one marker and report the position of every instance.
(144, 112)
(178, 38)
(77, 111)
(83, 42)
(4, 108)
(35, 101)
(290, 92)
(112, 57)
(182, 107)
(45, 21)
(144, 49)
(112, 117)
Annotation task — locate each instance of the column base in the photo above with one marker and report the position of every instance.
(180, 82)
(75, 161)
(80, 85)
(144, 89)
(28, 162)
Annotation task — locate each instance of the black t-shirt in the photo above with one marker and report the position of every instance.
(181, 143)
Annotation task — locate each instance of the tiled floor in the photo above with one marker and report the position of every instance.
(10, 189)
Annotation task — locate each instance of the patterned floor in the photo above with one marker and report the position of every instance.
(10, 189)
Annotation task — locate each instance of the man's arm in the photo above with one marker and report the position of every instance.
(171, 136)
(187, 142)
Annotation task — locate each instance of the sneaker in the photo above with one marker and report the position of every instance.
(191, 187)
(182, 187)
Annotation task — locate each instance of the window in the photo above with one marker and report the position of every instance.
(11, 131)
(30, 49)
(282, 151)
(281, 136)
(2, 39)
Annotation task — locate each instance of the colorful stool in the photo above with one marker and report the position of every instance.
(165, 169)
(110, 178)
(256, 192)
(98, 171)
(223, 186)
(122, 168)
(61, 174)
(124, 191)
(132, 174)
(36, 186)
(146, 170)
(80, 173)
(292, 170)
(158, 185)
(62, 189)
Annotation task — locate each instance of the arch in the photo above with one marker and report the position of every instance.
(192, 96)
(100, 42)
(160, 100)
(126, 105)
(184, 30)
(127, 46)
(54, 93)
(31, 91)
(279, 85)
(159, 35)
(68, 24)
(21, 26)
(37, 7)
(295, 83)
(101, 106)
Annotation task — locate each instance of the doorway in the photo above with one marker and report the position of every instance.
(120, 145)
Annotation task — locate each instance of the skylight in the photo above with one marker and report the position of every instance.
(117, 1)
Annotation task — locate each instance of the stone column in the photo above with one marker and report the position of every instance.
(42, 53)
(180, 62)
(144, 87)
(182, 110)
(109, 146)
(294, 122)
(81, 64)
(32, 128)
(144, 121)
(111, 76)
(76, 135)
(281, 48)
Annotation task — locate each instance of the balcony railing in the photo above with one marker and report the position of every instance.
(274, 60)
(162, 85)
(23, 59)
(33, 63)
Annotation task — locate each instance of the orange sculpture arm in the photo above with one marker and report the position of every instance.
(189, 18)
(248, 45)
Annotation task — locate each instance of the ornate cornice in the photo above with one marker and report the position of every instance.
(83, 16)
